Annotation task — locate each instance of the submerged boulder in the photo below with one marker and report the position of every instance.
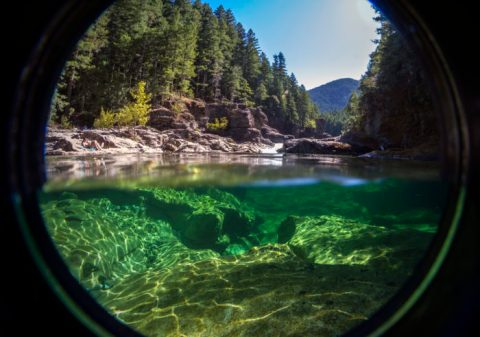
(337, 240)
(208, 220)
(287, 229)
(202, 228)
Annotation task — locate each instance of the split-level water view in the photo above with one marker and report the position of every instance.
(243, 168)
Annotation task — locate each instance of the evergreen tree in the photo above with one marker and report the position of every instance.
(239, 53)
(279, 66)
(156, 27)
(71, 97)
(128, 19)
(394, 88)
(305, 106)
(261, 93)
(251, 66)
(237, 87)
(266, 75)
(209, 56)
(228, 34)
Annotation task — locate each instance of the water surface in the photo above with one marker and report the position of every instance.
(241, 245)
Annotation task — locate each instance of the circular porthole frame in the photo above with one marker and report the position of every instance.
(27, 171)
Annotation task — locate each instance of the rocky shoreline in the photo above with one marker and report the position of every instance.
(143, 140)
(66, 142)
(180, 125)
(186, 126)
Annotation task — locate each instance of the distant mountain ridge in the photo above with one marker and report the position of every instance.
(333, 96)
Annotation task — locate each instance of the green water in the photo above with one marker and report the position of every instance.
(242, 245)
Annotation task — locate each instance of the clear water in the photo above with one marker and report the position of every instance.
(242, 245)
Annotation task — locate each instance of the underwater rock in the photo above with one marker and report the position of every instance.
(235, 249)
(336, 240)
(201, 220)
(202, 228)
(287, 229)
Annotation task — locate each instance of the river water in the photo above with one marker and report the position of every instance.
(242, 245)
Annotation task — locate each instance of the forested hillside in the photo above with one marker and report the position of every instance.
(164, 48)
(394, 105)
(332, 99)
(333, 96)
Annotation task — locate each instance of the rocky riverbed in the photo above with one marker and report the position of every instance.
(207, 262)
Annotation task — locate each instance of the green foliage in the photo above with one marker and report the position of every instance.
(137, 112)
(176, 48)
(334, 96)
(210, 59)
(57, 107)
(261, 93)
(237, 86)
(334, 122)
(310, 124)
(394, 104)
(351, 114)
(218, 124)
(65, 123)
(178, 107)
(106, 119)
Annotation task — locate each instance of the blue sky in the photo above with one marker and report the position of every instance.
(322, 40)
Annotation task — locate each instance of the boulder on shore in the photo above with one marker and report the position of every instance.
(274, 135)
(317, 146)
(245, 124)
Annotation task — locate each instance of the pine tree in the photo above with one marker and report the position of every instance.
(179, 47)
(71, 97)
(228, 34)
(127, 24)
(232, 82)
(266, 75)
(251, 65)
(209, 60)
(279, 66)
(261, 94)
(154, 33)
(304, 106)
